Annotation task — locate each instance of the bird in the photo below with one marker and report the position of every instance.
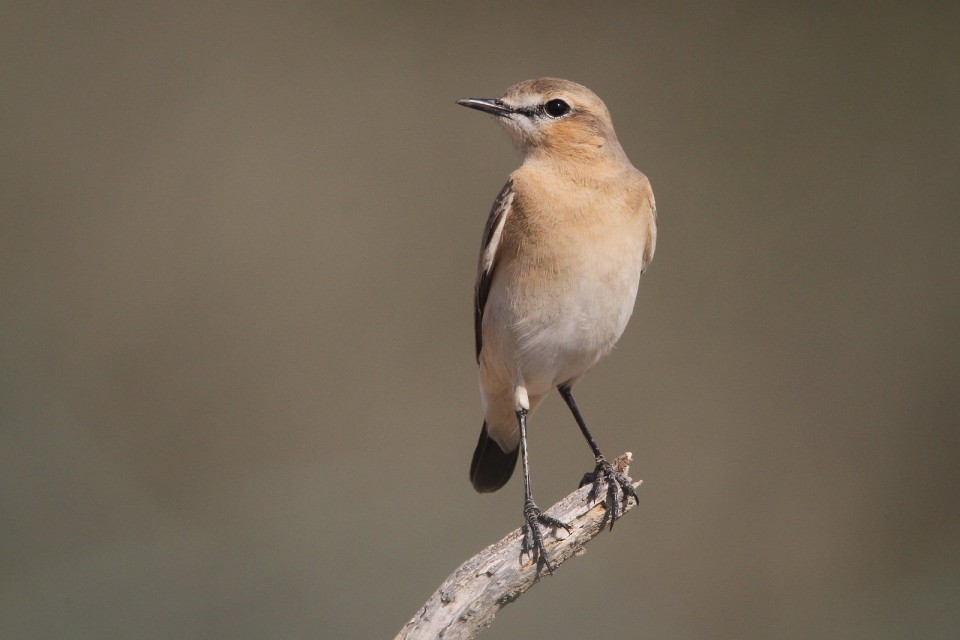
(563, 248)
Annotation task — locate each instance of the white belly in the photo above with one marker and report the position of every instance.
(552, 332)
(559, 342)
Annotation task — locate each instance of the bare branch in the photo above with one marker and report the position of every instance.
(469, 599)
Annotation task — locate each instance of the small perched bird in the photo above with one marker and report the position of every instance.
(560, 263)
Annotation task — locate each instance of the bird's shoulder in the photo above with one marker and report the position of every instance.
(644, 206)
(489, 247)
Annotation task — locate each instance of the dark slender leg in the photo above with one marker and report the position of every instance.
(620, 488)
(532, 536)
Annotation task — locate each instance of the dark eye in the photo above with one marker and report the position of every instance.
(556, 108)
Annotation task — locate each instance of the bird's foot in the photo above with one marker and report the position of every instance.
(619, 487)
(533, 536)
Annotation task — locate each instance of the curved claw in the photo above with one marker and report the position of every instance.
(619, 488)
(533, 537)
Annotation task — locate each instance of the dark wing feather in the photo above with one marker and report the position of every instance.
(488, 254)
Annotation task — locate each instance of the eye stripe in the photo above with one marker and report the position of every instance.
(555, 108)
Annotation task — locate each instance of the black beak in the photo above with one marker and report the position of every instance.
(489, 105)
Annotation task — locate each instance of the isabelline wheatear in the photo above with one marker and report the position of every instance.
(560, 263)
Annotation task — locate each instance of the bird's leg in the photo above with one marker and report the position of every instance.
(533, 517)
(619, 487)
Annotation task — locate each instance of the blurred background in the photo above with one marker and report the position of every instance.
(238, 393)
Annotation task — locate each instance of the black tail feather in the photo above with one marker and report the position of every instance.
(491, 467)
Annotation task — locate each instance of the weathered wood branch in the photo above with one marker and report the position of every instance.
(468, 600)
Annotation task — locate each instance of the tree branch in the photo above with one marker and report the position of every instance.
(468, 600)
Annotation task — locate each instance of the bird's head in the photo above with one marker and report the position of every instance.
(553, 118)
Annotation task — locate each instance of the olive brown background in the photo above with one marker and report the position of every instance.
(237, 388)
